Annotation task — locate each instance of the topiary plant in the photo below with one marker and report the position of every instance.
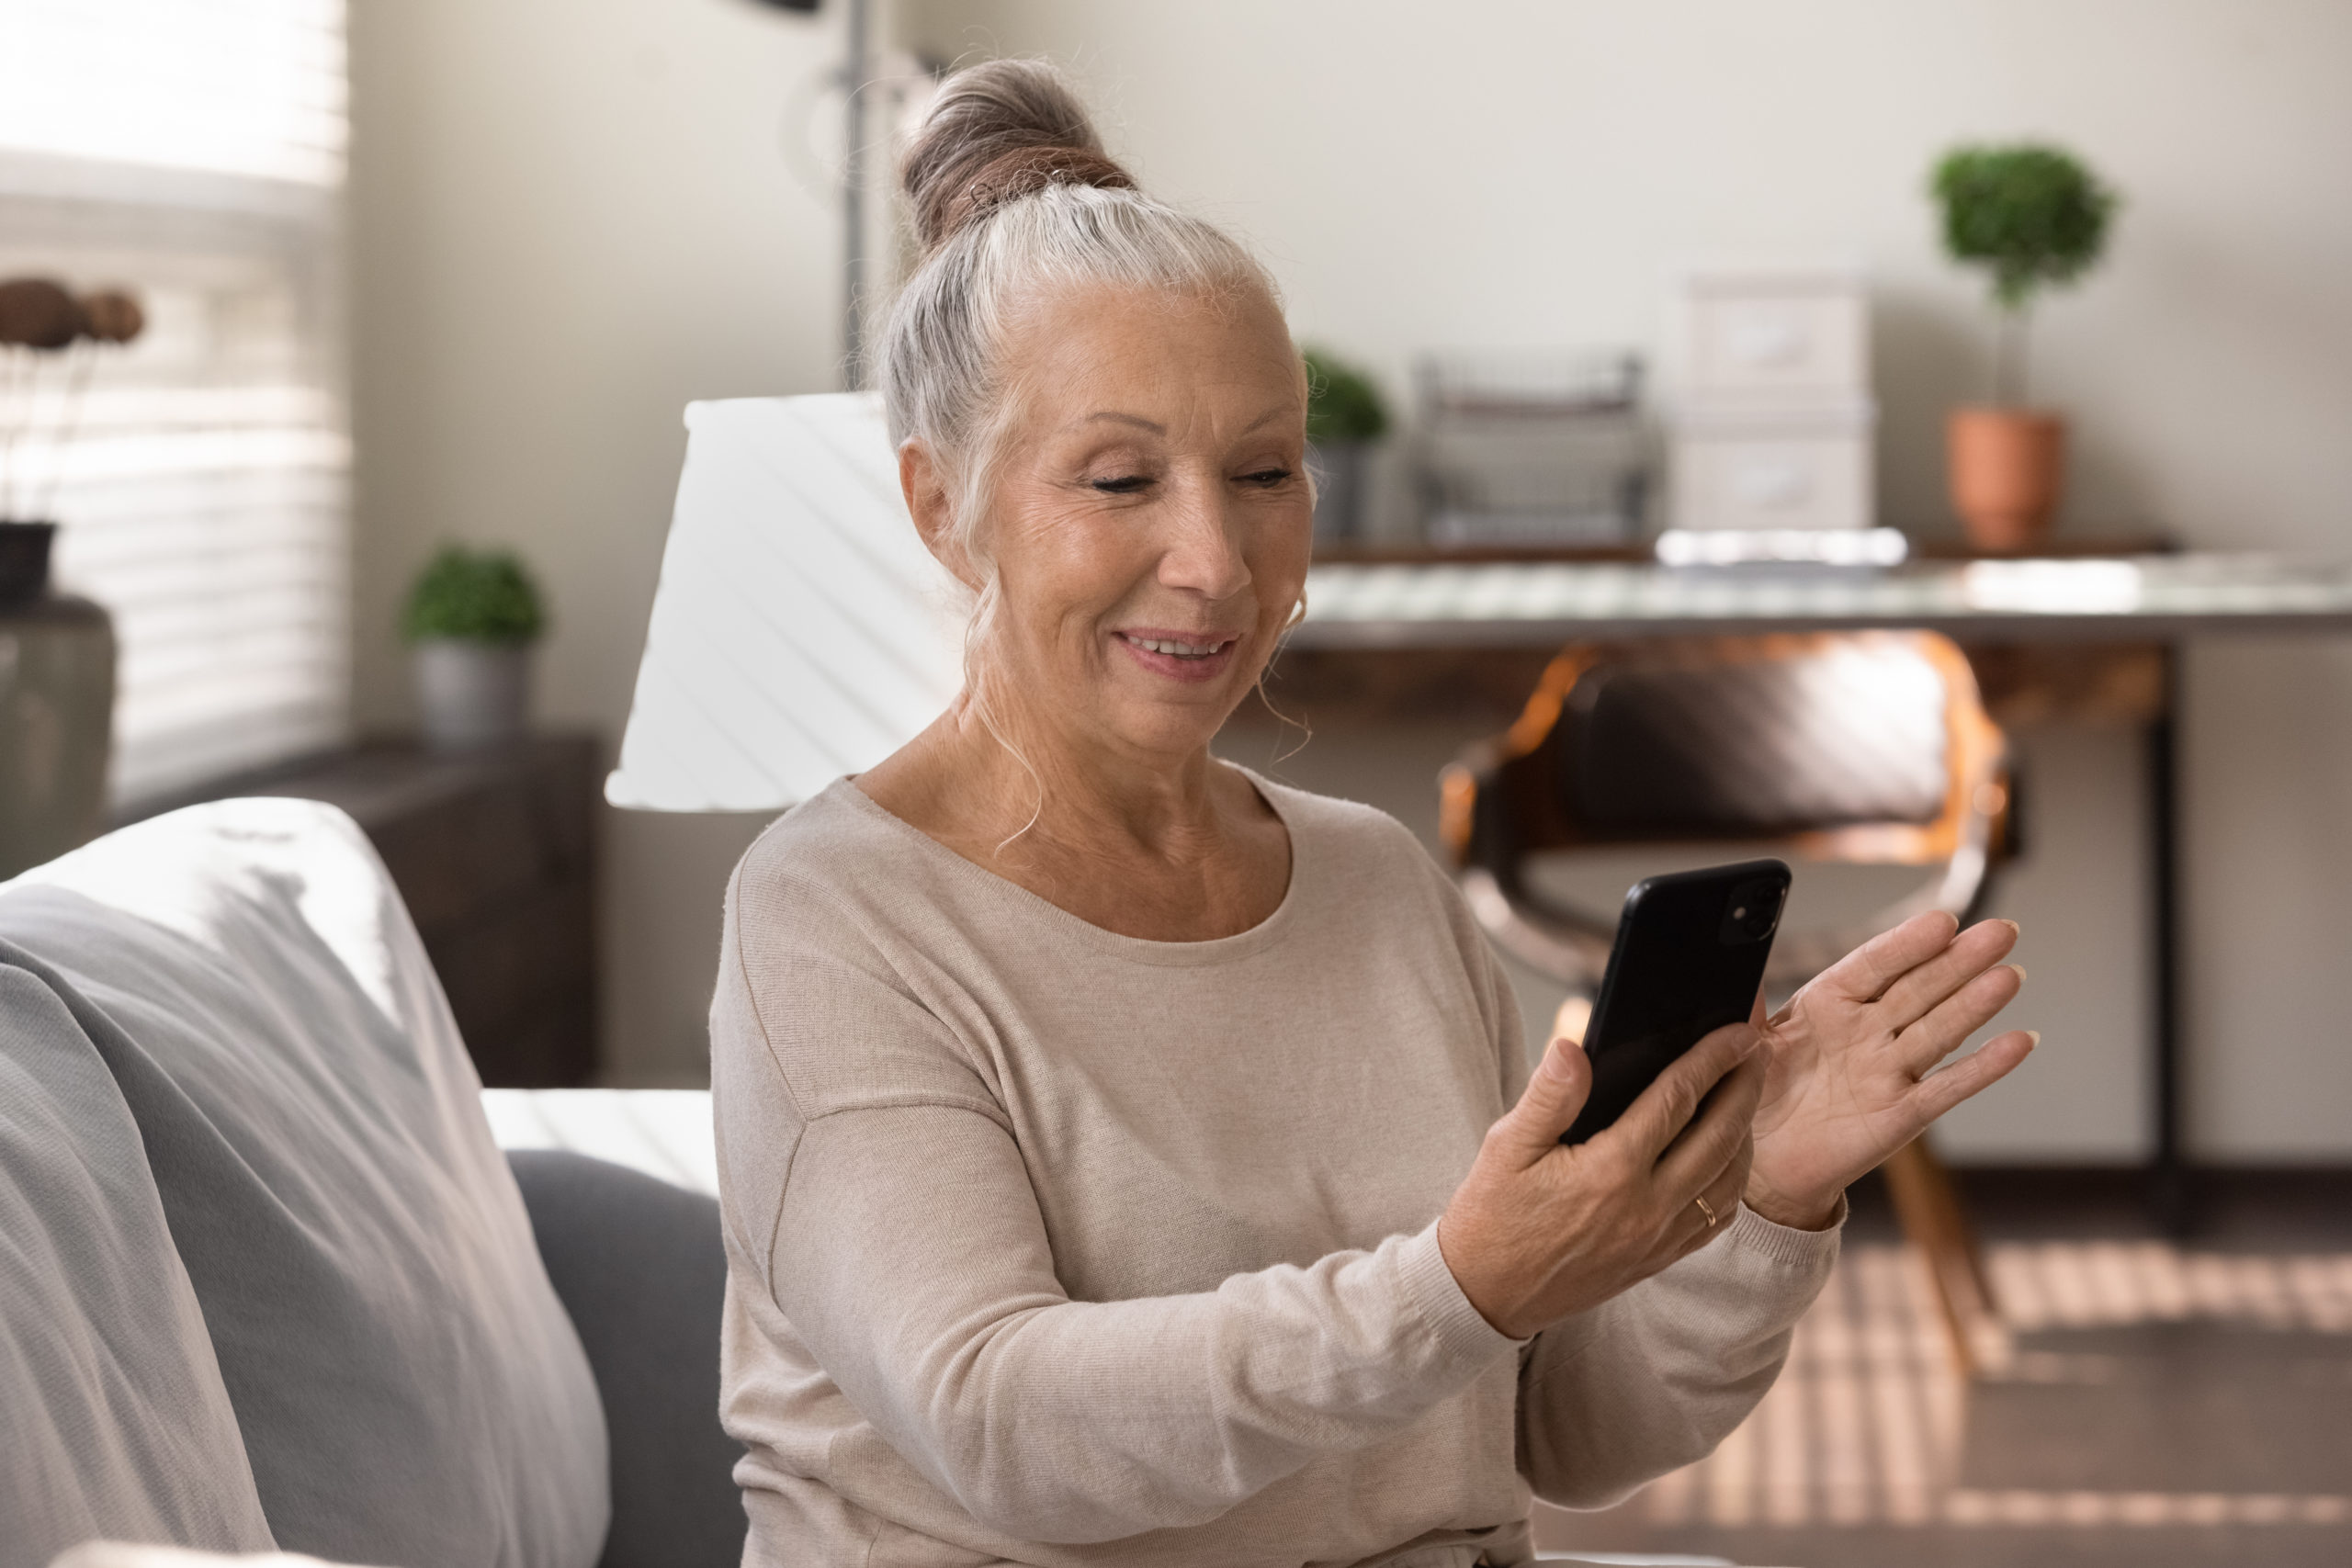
(1342, 402)
(468, 596)
(2032, 215)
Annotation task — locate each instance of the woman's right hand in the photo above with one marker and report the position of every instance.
(1540, 1229)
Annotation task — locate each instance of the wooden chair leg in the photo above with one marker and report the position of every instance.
(1934, 1220)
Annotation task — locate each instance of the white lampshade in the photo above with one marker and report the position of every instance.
(800, 630)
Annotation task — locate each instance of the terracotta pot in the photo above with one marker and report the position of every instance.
(2006, 468)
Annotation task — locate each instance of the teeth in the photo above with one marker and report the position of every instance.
(1181, 650)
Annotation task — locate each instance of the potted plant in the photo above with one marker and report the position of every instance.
(41, 319)
(2034, 217)
(57, 653)
(472, 618)
(1344, 417)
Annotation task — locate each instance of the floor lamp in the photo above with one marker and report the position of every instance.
(856, 70)
(800, 630)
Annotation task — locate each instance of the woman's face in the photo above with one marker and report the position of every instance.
(1150, 520)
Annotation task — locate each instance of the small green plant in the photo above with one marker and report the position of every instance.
(473, 596)
(2035, 217)
(1342, 402)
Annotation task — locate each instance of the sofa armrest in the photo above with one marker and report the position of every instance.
(638, 1264)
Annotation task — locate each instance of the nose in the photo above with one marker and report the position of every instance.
(1203, 553)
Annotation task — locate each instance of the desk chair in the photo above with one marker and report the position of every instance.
(1866, 748)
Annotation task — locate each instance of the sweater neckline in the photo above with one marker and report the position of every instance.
(1019, 900)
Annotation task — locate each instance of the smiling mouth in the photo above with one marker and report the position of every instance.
(1175, 649)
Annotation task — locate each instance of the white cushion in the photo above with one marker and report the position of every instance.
(664, 1132)
(121, 1554)
(408, 1387)
(113, 1418)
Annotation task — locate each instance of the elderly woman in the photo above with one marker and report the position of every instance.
(1129, 1160)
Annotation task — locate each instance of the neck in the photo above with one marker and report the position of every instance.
(1025, 782)
(1166, 845)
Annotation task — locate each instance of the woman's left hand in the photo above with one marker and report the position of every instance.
(1850, 1063)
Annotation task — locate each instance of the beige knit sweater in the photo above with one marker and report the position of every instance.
(1049, 1245)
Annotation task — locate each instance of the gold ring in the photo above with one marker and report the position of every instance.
(1704, 1209)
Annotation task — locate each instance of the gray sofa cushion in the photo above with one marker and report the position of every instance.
(408, 1387)
(642, 1270)
(113, 1420)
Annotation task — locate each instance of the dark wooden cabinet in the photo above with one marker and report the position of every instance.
(493, 853)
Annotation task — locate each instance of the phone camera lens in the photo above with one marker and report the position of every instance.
(1752, 911)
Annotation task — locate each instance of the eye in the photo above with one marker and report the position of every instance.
(1124, 484)
(1266, 478)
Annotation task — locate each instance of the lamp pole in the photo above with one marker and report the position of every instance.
(853, 73)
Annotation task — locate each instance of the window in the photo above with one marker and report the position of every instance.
(191, 151)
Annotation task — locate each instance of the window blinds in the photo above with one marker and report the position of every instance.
(191, 151)
(245, 88)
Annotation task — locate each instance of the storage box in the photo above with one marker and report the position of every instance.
(1769, 335)
(1769, 468)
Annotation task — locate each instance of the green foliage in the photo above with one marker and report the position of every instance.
(2032, 214)
(1342, 402)
(484, 596)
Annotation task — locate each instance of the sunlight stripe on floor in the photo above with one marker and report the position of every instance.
(1865, 1424)
(1967, 1505)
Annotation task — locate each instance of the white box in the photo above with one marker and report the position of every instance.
(1753, 335)
(1773, 468)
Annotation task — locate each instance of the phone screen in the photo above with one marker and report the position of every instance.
(1688, 958)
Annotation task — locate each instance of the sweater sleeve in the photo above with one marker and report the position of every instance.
(882, 1199)
(1653, 1378)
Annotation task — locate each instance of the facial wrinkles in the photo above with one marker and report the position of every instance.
(1075, 564)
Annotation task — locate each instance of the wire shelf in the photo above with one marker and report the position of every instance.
(1530, 448)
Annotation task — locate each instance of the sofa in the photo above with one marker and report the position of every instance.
(269, 1278)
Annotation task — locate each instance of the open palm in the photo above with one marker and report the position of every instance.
(1851, 1061)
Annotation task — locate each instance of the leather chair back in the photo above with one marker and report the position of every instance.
(1859, 747)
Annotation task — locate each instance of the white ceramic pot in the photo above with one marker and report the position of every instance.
(472, 694)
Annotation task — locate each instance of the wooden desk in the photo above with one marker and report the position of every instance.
(2050, 637)
(493, 853)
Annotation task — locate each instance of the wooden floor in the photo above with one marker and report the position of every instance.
(2152, 1404)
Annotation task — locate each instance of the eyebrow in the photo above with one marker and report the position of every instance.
(1112, 416)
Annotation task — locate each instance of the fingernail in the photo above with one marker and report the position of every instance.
(2034, 1038)
(2015, 929)
(1556, 1059)
(2021, 969)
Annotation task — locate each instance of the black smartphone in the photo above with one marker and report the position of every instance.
(1688, 959)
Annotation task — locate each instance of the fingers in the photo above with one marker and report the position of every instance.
(1657, 1117)
(1555, 1091)
(1988, 1065)
(1722, 1198)
(1716, 1137)
(1971, 952)
(1864, 974)
(1957, 1017)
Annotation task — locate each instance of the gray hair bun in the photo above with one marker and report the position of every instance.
(998, 132)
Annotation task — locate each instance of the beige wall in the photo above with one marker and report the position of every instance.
(569, 221)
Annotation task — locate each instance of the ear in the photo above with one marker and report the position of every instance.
(925, 488)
